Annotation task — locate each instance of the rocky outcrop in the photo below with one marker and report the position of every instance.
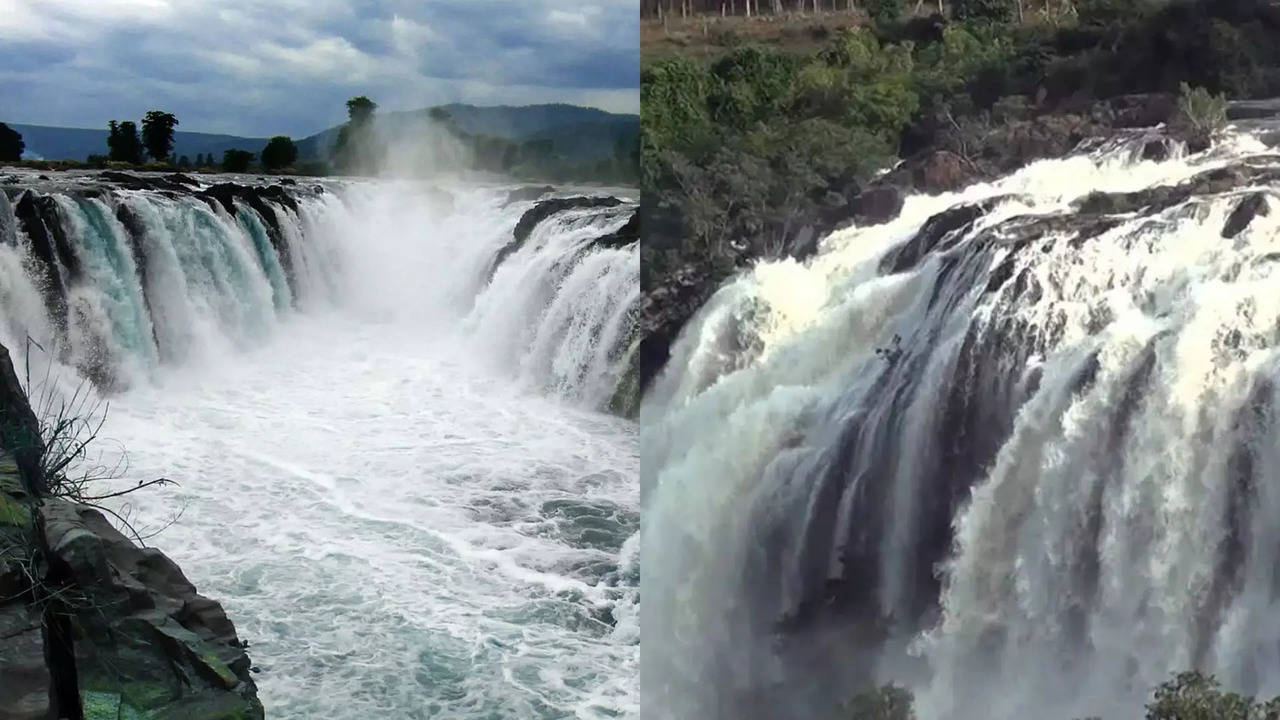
(623, 236)
(528, 192)
(1249, 208)
(541, 212)
(92, 626)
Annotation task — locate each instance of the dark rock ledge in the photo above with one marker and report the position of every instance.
(93, 627)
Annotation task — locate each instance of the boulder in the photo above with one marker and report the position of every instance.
(528, 192)
(943, 171)
(540, 212)
(877, 205)
(623, 236)
(1245, 211)
(934, 231)
(1142, 109)
(145, 640)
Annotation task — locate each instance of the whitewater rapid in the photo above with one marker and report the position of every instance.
(395, 472)
(1019, 458)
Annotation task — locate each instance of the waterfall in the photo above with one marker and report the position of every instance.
(115, 283)
(1014, 450)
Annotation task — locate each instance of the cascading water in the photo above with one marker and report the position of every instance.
(394, 469)
(1015, 450)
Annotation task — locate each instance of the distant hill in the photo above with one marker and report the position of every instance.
(578, 134)
(59, 143)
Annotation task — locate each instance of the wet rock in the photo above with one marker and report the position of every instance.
(110, 629)
(1156, 149)
(942, 171)
(21, 440)
(930, 235)
(1141, 110)
(1244, 213)
(182, 179)
(144, 637)
(877, 205)
(148, 181)
(623, 236)
(545, 209)
(540, 212)
(528, 192)
(43, 247)
(25, 692)
(1253, 109)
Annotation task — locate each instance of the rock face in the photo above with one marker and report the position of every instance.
(93, 627)
(544, 210)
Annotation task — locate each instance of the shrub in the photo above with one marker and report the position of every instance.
(885, 12)
(888, 702)
(1109, 12)
(997, 11)
(1199, 116)
(1196, 696)
(750, 85)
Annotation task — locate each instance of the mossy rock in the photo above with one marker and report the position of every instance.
(13, 512)
(100, 705)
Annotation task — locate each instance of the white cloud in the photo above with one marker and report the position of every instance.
(248, 67)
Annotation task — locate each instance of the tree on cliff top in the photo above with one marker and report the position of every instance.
(157, 134)
(11, 145)
(123, 142)
(236, 160)
(280, 152)
(357, 149)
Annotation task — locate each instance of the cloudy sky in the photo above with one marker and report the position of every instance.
(266, 67)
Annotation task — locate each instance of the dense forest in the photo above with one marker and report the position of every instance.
(758, 150)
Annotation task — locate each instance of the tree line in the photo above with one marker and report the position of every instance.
(361, 148)
(662, 9)
(125, 144)
(358, 149)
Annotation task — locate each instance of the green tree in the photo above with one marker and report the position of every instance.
(360, 110)
(885, 12)
(999, 11)
(157, 134)
(356, 149)
(199, 160)
(1196, 696)
(184, 162)
(123, 143)
(236, 161)
(11, 145)
(889, 702)
(280, 152)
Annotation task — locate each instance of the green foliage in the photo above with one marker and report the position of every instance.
(749, 85)
(1110, 12)
(280, 152)
(123, 143)
(157, 134)
(1196, 696)
(673, 113)
(997, 11)
(184, 162)
(884, 12)
(1200, 115)
(360, 110)
(357, 149)
(236, 161)
(888, 702)
(11, 145)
